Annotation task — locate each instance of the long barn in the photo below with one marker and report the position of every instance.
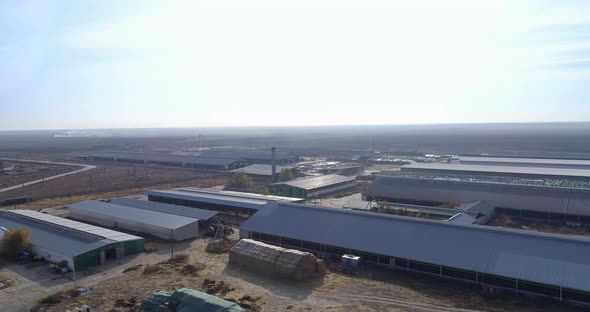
(155, 223)
(555, 266)
(80, 245)
(524, 200)
(213, 163)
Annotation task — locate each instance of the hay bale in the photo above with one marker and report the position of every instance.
(280, 261)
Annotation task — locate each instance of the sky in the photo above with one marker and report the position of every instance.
(127, 64)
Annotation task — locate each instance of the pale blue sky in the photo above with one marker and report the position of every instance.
(112, 64)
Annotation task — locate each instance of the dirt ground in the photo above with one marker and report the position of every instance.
(374, 290)
(22, 172)
(111, 179)
(505, 220)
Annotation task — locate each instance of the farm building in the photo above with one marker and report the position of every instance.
(195, 213)
(259, 156)
(556, 266)
(347, 170)
(223, 201)
(509, 171)
(261, 171)
(312, 186)
(214, 163)
(80, 245)
(162, 225)
(526, 162)
(523, 200)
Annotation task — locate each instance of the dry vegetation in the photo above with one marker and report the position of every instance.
(6, 282)
(505, 220)
(110, 181)
(24, 172)
(14, 242)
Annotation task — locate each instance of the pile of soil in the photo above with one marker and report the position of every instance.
(212, 287)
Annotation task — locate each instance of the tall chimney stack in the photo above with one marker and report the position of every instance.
(274, 164)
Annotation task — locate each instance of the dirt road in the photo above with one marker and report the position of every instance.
(14, 187)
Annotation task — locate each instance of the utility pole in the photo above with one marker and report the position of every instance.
(171, 243)
(74, 269)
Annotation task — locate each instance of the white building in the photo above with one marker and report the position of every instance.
(162, 225)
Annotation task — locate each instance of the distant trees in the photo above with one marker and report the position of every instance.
(286, 175)
(239, 180)
(14, 242)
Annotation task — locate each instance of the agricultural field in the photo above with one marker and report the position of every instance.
(111, 179)
(14, 173)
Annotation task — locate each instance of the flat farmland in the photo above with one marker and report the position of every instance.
(20, 172)
(115, 179)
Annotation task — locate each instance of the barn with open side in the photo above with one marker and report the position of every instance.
(539, 202)
(80, 245)
(217, 200)
(551, 265)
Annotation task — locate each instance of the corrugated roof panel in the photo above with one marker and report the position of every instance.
(264, 155)
(501, 170)
(538, 257)
(77, 226)
(310, 183)
(48, 232)
(226, 198)
(260, 169)
(525, 197)
(195, 213)
(526, 161)
(168, 158)
(130, 213)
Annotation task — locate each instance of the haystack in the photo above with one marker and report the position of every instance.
(276, 260)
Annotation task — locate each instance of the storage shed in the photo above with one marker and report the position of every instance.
(162, 225)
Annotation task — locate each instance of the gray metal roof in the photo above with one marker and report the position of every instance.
(226, 198)
(500, 170)
(260, 169)
(314, 182)
(537, 257)
(262, 155)
(159, 219)
(359, 204)
(63, 236)
(463, 217)
(539, 162)
(190, 212)
(513, 196)
(168, 158)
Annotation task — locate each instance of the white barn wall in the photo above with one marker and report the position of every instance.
(52, 256)
(332, 189)
(182, 233)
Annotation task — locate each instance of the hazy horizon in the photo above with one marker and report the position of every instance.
(184, 64)
(484, 125)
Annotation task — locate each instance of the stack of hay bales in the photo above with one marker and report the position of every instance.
(295, 264)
